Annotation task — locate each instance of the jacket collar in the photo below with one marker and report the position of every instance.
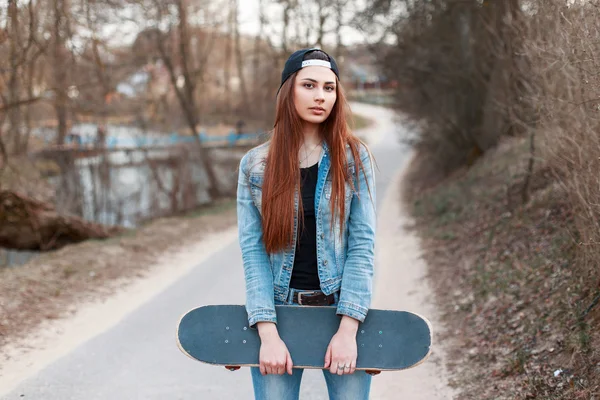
(324, 153)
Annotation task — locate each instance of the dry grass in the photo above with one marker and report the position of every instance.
(516, 304)
(565, 55)
(362, 122)
(525, 264)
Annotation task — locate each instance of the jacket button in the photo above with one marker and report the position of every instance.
(322, 236)
(325, 262)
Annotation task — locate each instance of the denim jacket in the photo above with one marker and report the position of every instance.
(344, 265)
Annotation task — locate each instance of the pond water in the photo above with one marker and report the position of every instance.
(127, 187)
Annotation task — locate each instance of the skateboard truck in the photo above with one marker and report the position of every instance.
(232, 367)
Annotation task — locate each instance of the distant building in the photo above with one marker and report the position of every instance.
(363, 76)
(361, 70)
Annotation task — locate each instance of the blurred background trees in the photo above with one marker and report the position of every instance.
(521, 75)
(76, 77)
(470, 72)
(465, 73)
(461, 70)
(169, 65)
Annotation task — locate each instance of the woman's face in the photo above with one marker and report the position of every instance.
(315, 93)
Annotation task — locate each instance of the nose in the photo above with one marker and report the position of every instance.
(319, 95)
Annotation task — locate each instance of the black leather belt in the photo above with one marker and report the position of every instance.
(315, 298)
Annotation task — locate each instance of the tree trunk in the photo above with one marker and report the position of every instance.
(339, 10)
(24, 143)
(239, 60)
(258, 108)
(227, 62)
(14, 115)
(187, 96)
(287, 8)
(3, 152)
(30, 83)
(322, 15)
(60, 73)
(28, 224)
(257, 45)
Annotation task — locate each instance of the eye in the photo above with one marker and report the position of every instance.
(330, 88)
(308, 85)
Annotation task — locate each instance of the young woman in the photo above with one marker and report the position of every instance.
(306, 220)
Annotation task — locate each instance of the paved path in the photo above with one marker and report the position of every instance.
(136, 356)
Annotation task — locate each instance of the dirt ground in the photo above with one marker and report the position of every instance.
(54, 285)
(522, 321)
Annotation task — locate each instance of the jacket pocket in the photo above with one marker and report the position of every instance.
(348, 192)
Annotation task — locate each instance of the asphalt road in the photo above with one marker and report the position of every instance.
(138, 359)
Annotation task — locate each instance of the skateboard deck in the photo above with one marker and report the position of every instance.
(387, 340)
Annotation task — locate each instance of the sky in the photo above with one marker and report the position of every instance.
(126, 31)
(249, 22)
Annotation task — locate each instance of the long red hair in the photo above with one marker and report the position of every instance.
(282, 172)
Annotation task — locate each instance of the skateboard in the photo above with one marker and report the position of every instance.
(387, 340)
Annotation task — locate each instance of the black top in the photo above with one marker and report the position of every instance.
(305, 275)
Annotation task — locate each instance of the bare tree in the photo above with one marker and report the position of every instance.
(257, 45)
(239, 56)
(229, 56)
(185, 91)
(3, 152)
(450, 59)
(323, 14)
(31, 73)
(24, 48)
(288, 6)
(59, 64)
(16, 58)
(99, 65)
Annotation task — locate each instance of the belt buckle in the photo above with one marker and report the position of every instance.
(304, 293)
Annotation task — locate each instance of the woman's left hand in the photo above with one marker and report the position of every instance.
(341, 353)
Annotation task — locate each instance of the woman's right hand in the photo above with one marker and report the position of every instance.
(274, 356)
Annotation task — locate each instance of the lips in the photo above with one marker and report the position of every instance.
(317, 110)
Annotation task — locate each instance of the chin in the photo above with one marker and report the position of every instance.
(315, 119)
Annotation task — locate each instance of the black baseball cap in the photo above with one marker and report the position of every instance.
(296, 62)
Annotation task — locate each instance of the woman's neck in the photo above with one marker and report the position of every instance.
(312, 136)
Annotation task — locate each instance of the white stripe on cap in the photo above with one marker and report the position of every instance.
(320, 63)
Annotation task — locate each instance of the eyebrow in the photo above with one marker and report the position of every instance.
(315, 81)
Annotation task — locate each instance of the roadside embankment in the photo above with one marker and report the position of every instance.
(522, 321)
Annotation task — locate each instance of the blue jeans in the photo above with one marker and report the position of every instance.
(287, 387)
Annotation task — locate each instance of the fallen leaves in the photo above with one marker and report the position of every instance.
(516, 294)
